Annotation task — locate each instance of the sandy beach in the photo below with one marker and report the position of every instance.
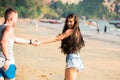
(46, 62)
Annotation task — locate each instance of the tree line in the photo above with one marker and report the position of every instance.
(91, 9)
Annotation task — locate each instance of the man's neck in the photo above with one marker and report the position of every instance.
(8, 23)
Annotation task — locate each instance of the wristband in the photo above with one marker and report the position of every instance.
(30, 41)
(7, 59)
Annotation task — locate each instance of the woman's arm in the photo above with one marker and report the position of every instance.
(58, 38)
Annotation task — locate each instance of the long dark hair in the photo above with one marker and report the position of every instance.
(74, 42)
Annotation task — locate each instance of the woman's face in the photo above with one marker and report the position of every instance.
(70, 23)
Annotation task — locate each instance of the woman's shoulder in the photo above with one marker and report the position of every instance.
(69, 30)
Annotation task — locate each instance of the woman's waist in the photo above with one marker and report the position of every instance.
(73, 55)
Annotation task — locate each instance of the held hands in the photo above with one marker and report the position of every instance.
(35, 42)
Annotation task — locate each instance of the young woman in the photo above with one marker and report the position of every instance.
(71, 43)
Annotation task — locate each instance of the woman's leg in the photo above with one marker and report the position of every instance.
(70, 74)
(1, 78)
(6, 79)
(9, 79)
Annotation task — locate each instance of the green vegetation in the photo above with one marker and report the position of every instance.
(93, 9)
(25, 8)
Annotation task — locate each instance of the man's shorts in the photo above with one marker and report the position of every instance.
(9, 73)
(74, 61)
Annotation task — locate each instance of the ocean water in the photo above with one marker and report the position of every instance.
(112, 35)
(111, 29)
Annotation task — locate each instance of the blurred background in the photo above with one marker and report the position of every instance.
(89, 9)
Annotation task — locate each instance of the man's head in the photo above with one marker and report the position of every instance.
(11, 16)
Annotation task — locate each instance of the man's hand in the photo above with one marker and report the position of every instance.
(6, 65)
(35, 42)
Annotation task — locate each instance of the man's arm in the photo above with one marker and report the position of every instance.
(18, 40)
(22, 40)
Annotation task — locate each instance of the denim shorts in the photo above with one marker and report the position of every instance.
(10, 73)
(74, 61)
